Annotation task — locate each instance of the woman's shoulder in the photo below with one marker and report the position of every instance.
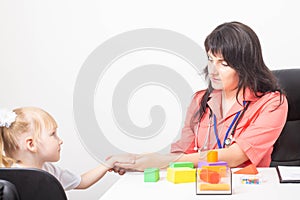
(198, 96)
(252, 96)
(273, 100)
(200, 92)
(276, 96)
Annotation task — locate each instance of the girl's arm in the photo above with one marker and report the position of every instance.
(91, 177)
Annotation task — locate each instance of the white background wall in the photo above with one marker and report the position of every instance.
(43, 45)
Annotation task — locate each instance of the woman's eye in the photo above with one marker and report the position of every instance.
(225, 64)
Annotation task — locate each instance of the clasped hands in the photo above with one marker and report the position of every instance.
(137, 162)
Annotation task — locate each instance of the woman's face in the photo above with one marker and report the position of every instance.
(221, 75)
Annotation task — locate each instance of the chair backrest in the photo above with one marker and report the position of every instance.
(34, 184)
(8, 191)
(287, 147)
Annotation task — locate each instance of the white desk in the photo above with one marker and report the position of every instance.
(132, 186)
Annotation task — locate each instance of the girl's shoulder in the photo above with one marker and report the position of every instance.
(51, 168)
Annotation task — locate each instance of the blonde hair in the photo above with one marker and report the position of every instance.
(29, 120)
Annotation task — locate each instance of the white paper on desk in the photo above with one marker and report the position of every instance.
(288, 173)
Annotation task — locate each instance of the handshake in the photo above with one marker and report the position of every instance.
(138, 162)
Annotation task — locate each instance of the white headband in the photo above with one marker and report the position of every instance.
(7, 118)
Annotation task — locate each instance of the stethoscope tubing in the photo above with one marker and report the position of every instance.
(234, 123)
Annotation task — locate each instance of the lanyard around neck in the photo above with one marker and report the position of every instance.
(236, 117)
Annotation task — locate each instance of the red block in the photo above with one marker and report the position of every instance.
(209, 176)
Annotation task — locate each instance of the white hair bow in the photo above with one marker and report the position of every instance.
(7, 117)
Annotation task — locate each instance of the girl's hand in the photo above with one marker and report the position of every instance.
(111, 161)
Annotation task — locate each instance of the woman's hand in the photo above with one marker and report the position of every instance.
(123, 158)
(143, 161)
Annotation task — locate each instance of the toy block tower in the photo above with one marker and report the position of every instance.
(213, 176)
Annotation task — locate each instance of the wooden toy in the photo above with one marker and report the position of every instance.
(249, 169)
(181, 164)
(213, 176)
(215, 187)
(151, 175)
(219, 169)
(212, 156)
(209, 176)
(181, 174)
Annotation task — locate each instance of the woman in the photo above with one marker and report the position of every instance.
(241, 113)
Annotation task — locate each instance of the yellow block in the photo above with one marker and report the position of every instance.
(212, 156)
(181, 175)
(215, 187)
(220, 169)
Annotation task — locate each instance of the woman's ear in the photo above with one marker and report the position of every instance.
(31, 144)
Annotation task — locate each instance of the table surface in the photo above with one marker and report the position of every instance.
(132, 186)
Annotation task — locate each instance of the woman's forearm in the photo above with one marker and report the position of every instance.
(234, 156)
(192, 157)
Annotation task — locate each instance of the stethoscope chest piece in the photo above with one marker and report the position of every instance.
(227, 142)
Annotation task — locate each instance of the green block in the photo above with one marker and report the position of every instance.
(151, 175)
(181, 164)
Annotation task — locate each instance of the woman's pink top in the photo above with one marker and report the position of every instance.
(255, 133)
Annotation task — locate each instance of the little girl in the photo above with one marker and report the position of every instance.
(29, 139)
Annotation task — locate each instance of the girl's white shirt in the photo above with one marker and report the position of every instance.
(67, 179)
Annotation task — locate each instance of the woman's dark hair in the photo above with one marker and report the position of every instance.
(241, 49)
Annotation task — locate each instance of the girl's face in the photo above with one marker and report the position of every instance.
(221, 75)
(49, 146)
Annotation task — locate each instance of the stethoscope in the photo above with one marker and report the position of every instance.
(227, 140)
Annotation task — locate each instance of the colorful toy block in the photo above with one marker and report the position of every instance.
(213, 176)
(218, 163)
(181, 174)
(202, 163)
(151, 175)
(249, 169)
(209, 176)
(211, 182)
(212, 156)
(219, 169)
(215, 187)
(181, 164)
